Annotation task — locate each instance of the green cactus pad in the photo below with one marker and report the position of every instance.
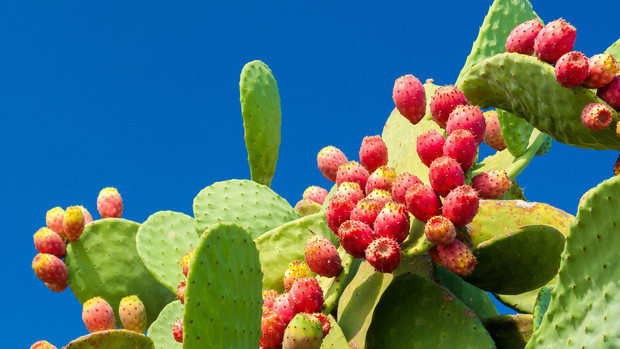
(526, 87)
(502, 18)
(104, 262)
(415, 312)
(252, 206)
(522, 302)
(514, 193)
(545, 147)
(223, 296)
(473, 297)
(333, 287)
(509, 263)
(542, 304)
(262, 119)
(335, 339)
(286, 243)
(515, 131)
(331, 193)
(112, 339)
(510, 331)
(614, 49)
(161, 329)
(584, 310)
(162, 241)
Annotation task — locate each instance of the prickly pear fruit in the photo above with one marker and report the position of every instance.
(47, 241)
(57, 287)
(110, 203)
(382, 196)
(457, 257)
(381, 178)
(324, 322)
(87, 217)
(393, 222)
(351, 190)
(554, 40)
(491, 184)
(602, 68)
(296, 270)
(177, 330)
(443, 102)
(316, 194)
(54, 219)
(422, 202)
(132, 312)
(439, 230)
(410, 98)
(610, 93)
(445, 174)
(461, 146)
(400, 185)
(596, 116)
(322, 256)
(185, 261)
(282, 306)
(306, 207)
(493, 131)
(383, 254)
(434, 255)
(73, 223)
(429, 146)
(49, 268)
(269, 298)
(306, 296)
(328, 161)
(98, 315)
(469, 118)
(337, 211)
(352, 171)
(181, 290)
(272, 329)
(461, 205)
(303, 332)
(521, 38)
(571, 69)
(366, 211)
(42, 345)
(355, 237)
(373, 153)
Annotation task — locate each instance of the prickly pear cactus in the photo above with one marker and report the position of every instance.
(160, 331)
(112, 339)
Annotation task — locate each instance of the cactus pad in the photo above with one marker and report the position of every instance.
(161, 329)
(510, 331)
(473, 297)
(614, 49)
(333, 287)
(516, 132)
(112, 339)
(542, 304)
(335, 339)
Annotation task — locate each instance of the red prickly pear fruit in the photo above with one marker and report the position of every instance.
(445, 174)
(493, 131)
(429, 146)
(491, 184)
(381, 178)
(306, 296)
(282, 306)
(355, 237)
(521, 38)
(461, 205)
(351, 190)
(383, 254)
(469, 118)
(98, 315)
(462, 147)
(49, 268)
(73, 223)
(423, 202)
(322, 257)
(177, 330)
(352, 171)
(272, 329)
(47, 241)
(132, 313)
(434, 255)
(373, 153)
(306, 207)
(457, 257)
(610, 93)
(596, 116)
(382, 196)
(439, 230)
(269, 298)
(324, 322)
(410, 98)
(393, 222)
(54, 219)
(57, 287)
(602, 68)
(617, 167)
(443, 102)
(42, 345)
(316, 194)
(110, 203)
(181, 291)
(186, 260)
(337, 211)
(571, 69)
(554, 40)
(87, 216)
(400, 185)
(366, 211)
(296, 270)
(328, 161)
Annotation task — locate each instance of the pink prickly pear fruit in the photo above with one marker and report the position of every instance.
(49, 268)
(355, 237)
(571, 69)
(445, 174)
(462, 147)
(282, 306)
(306, 207)
(54, 219)
(181, 291)
(429, 146)
(373, 153)
(400, 185)
(186, 260)
(423, 202)
(73, 223)
(322, 257)
(306, 296)
(296, 270)
(443, 102)
(461, 205)
(554, 40)
(109, 203)
(316, 194)
(393, 222)
(98, 315)
(47, 241)
(381, 178)
(87, 216)
(57, 287)
(610, 93)
(491, 184)
(352, 171)
(439, 230)
(177, 330)
(469, 118)
(383, 254)
(410, 98)
(382, 196)
(493, 131)
(269, 298)
(457, 257)
(596, 116)
(351, 190)
(42, 345)
(366, 211)
(434, 255)
(521, 38)
(272, 329)
(132, 313)
(602, 68)
(328, 161)
(324, 322)
(337, 211)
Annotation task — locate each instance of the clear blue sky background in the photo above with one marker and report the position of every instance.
(144, 96)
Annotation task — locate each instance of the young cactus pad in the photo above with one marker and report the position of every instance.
(161, 329)
(112, 339)
(516, 132)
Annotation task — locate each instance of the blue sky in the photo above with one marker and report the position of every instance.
(144, 96)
